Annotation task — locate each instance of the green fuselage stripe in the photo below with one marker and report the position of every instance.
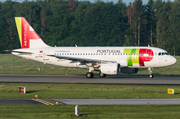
(132, 56)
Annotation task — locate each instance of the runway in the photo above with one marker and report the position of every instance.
(96, 80)
(90, 101)
(118, 101)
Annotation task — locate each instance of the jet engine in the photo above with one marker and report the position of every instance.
(129, 70)
(110, 68)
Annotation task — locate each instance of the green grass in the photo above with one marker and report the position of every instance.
(89, 111)
(86, 91)
(10, 64)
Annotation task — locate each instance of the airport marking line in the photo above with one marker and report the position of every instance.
(43, 101)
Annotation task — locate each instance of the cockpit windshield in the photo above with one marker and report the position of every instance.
(163, 53)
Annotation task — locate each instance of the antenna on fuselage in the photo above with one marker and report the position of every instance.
(76, 45)
(149, 45)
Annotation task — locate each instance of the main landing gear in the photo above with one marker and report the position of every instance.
(89, 75)
(102, 75)
(150, 73)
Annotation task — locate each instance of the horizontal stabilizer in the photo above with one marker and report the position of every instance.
(21, 52)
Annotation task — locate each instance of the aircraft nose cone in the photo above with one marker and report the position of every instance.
(173, 60)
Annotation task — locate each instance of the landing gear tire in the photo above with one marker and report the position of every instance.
(89, 75)
(151, 76)
(102, 75)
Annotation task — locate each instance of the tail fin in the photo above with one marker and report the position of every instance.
(27, 36)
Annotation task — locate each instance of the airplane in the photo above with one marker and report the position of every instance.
(105, 60)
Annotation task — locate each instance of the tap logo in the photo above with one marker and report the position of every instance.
(138, 56)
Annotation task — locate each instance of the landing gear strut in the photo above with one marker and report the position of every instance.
(150, 73)
(102, 75)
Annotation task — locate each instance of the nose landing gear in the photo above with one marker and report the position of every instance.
(150, 73)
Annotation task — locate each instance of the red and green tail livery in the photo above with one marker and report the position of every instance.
(25, 31)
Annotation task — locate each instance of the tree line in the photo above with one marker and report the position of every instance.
(69, 22)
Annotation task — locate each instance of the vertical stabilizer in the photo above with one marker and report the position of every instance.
(27, 36)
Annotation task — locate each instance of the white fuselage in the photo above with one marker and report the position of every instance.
(121, 55)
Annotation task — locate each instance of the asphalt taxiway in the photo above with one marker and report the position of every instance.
(96, 80)
(18, 102)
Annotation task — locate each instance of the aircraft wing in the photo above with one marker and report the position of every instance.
(77, 59)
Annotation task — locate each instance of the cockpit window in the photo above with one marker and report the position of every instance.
(163, 53)
(167, 53)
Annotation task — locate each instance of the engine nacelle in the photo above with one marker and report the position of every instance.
(112, 68)
(129, 70)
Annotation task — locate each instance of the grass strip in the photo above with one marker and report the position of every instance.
(89, 111)
(86, 91)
